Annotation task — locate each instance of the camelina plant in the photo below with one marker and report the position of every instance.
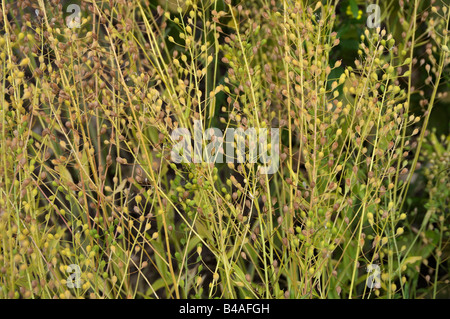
(134, 137)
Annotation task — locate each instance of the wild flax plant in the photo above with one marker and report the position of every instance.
(88, 182)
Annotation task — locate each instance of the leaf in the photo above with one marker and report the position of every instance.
(158, 284)
(153, 133)
(84, 165)
(411, 260)
(194, 241)
(354, 8)
(437, 145)
(64, 174)
(121, 186)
